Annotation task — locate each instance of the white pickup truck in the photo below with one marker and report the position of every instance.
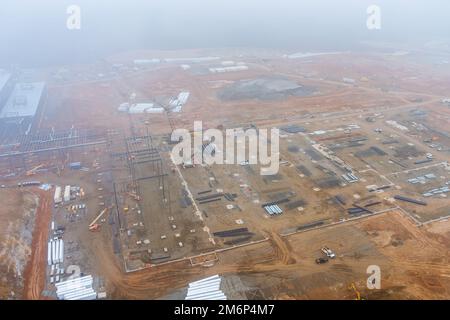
(327, 251)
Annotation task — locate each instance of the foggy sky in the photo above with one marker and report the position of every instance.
(33, 32)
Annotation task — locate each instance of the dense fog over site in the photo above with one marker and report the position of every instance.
(34, 32)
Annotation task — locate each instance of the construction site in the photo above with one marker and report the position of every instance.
(95, 207)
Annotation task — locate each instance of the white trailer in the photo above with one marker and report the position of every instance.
(49, 253)
(57, 251)
(61, 251)
(54, 252)
(67, 194)
(57, 198)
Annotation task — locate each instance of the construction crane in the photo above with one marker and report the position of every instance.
(33, 171)
(93, 226)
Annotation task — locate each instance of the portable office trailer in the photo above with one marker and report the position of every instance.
(57, 198)
(49, 253)
(54, 252)
(61, 251)
(57, 251)
(67, 194)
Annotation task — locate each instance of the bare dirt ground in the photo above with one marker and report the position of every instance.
(420, 256)
(414, 261)
(414, 264)
(17, 214)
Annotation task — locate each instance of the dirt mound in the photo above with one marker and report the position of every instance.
(265, 89)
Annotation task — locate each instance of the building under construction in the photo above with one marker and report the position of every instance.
(51, 148)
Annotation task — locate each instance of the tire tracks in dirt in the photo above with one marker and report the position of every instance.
(35, 271)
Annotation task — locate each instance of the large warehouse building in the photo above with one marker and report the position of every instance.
(17, 116)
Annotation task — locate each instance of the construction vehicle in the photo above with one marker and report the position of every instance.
(93, 226)
(33, 171)
(321, 260)
(327, 251)
(134, 196)
(353, 287)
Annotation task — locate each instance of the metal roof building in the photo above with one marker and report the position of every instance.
(4, 78)
(24, 100)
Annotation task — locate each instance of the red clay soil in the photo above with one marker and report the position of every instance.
(35, 270)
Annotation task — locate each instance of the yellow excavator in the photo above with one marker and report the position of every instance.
(353, 287)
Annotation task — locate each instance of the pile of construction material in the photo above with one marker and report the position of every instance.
(273, 209)
(359, 209)
(350, 177)
(310, 225)
(402, 198)
(239, 235)
(436, 191)
(228, 69)
(206, 289)
(422, 179)
(76, 289)
(209, 198)
(232, 233)
(29, 184)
